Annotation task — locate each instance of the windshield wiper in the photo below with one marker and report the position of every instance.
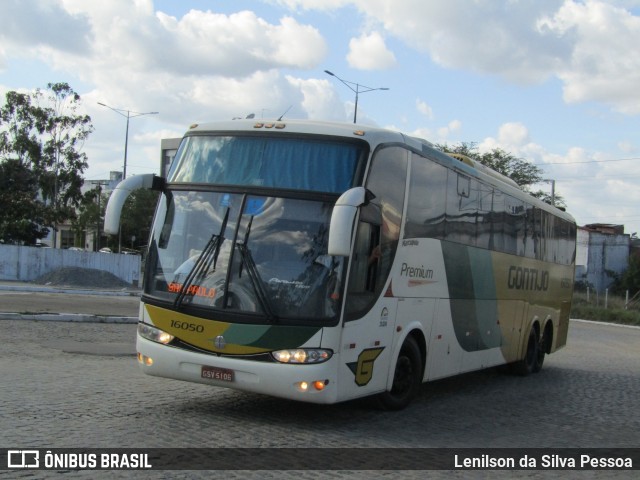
(204, 263)
(254, 276)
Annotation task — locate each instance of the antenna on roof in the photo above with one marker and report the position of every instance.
(285, 112)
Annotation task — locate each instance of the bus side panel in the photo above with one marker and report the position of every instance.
(444, 354)
(545, 290)
(366, 351)
(511, 318)
(563, 328)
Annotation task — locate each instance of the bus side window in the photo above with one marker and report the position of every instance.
(378, 230)
(365, 256)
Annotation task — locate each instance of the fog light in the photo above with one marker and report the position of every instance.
(303, 386)
(144, 360)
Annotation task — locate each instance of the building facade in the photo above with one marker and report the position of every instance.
(602, 253)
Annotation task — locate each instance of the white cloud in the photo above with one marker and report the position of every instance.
(319, 101)
(201, 66)
(39, 27)
(199, 43)
(605, 65)
(628, 147)
(311, 4)
(369, 52)
(424, 109)
(444, 132)
(513, 137)
(590, 46)
(513, 133)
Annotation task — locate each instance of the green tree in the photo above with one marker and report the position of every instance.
(44, 132)
(22, 213)
(524, 173)
(630, 279)
(90, 217)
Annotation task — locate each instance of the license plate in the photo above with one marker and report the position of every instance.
(215, 373)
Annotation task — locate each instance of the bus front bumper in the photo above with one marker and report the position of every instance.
(315, 383)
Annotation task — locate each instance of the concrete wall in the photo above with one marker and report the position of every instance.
(28, 263)
(598, 253)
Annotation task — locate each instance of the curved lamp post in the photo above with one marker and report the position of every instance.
(358, 90)
(128, 114)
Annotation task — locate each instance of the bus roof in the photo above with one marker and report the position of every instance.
(350, 130)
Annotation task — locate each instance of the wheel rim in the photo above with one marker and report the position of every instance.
(403, 378)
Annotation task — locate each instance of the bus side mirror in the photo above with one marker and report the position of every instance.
(120, 194)
(343, 218)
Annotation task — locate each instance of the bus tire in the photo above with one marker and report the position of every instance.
(542, 350)
(531, 358)
(407, 378)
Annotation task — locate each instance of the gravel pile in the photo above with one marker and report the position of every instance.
(81, 277)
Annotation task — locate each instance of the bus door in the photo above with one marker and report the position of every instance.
(370, 308)
(370, 316)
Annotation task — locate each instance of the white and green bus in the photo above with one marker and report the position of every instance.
(324, 262)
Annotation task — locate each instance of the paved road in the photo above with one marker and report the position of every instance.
(58, 393)
(22, 300)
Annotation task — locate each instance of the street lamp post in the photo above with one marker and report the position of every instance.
(128, 114)
(356, 90)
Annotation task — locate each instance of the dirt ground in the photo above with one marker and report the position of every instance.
(81, 277)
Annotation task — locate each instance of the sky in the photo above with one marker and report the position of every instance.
(554, 82)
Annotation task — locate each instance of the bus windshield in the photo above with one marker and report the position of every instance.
(255, 161)
(236, 253)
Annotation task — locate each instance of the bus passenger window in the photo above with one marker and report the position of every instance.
(378, 230)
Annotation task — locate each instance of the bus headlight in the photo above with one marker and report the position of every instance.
(302, 355)
(154, 334)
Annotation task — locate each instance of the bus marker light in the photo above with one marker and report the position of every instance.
(319, 385)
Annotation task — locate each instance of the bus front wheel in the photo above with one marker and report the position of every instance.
(407, 378)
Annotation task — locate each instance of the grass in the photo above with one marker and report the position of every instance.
(593, 308)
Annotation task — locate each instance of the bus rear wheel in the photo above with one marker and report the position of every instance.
(407, 378)
(531, 363)
(542, 350)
